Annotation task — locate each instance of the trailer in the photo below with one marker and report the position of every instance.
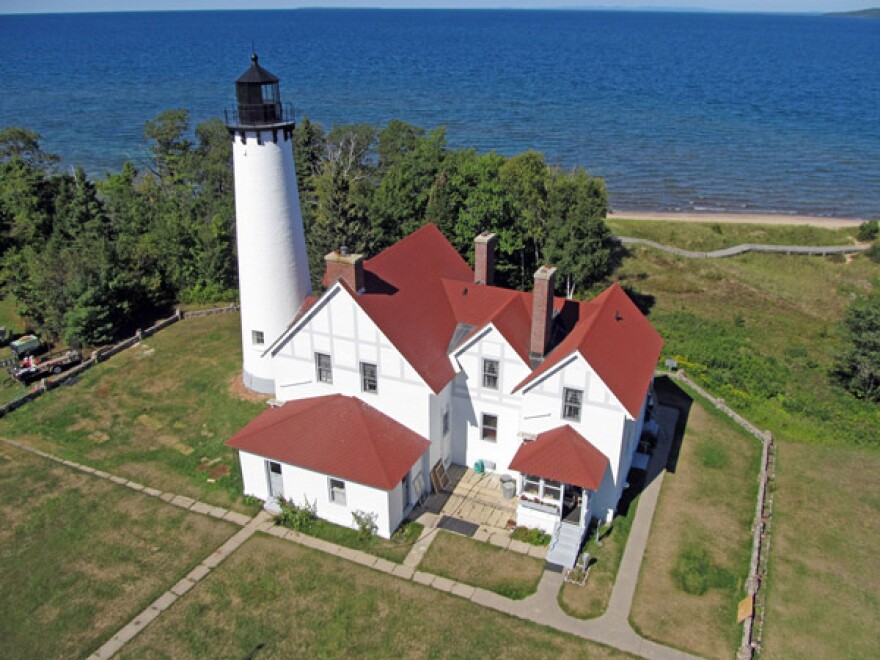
(33, 368)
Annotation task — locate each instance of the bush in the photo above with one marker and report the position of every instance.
(873, 253)
(366, 524)
(296, 517)
(530, 535)
(868, 231)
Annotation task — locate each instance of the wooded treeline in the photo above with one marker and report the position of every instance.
(90, 260)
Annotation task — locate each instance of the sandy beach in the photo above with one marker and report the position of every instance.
(739, 218)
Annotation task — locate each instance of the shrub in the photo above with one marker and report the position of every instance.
(869, 230)
(366, 524)
(531, 535)
(873, 253)
(296, 517)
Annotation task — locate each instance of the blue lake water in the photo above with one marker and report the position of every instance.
(677, 111)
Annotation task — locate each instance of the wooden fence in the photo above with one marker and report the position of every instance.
(105, 353)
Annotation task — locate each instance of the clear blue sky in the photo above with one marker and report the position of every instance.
(800, 6)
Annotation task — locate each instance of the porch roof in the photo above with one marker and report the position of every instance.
(562, 454)
(336, 435)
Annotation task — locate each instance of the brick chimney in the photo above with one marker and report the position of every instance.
(342, 265)
(484, 258)
(542, 312)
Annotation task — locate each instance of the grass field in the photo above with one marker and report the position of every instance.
(697, 556)
(701, 237)
(158, 413)
(824, 578)
(278, 600)
(482, 565)
(80, 556)
(762, 331)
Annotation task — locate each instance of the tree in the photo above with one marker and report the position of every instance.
(21, 143)
(579, 242)
(858, 366)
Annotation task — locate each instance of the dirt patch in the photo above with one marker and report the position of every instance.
(239, 391)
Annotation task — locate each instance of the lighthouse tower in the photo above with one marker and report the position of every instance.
(273, 271)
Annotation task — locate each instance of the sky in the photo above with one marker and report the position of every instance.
(793, 6)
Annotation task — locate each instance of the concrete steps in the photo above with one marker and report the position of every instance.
(565, 545)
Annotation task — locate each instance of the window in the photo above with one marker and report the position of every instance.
(531, 485)
(490, 374)
(257, 337)
(446, 422)
(552, 490)
(337, 491)
(369, 382)
(571, 404)
(490, 428)
(323, 368)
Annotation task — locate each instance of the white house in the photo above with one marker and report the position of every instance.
(410, 360)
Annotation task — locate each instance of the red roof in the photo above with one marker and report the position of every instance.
(336, 435)
(562, 454)
(617, 341)
(420, 289)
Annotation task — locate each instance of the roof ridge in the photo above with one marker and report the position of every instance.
(367, 424)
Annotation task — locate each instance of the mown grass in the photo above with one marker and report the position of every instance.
(80, 556)
(763, 332)
(698, 551)
(396, 549)
(823, 586)
(702, 237)
(278, 600)
(479, 564)
(158, 413)
(591, 600)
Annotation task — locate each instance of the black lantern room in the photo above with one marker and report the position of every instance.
(258, 97)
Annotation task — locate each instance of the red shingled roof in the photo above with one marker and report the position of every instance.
(617, 341)
(562, 454)
(336, 435)
(420, 289)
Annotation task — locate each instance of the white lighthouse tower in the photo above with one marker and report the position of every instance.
(273, 270)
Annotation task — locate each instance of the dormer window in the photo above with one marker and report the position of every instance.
(571, 404)
(490, 374)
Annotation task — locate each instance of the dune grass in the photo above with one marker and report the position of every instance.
(80, 556)
(158, 413)
(482, 565)
(276, 599)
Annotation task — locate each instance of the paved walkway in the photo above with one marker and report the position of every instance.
(814, 250)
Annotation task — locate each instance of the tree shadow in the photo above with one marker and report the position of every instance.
(644, 301)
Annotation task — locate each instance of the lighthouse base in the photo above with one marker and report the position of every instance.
(257, 384)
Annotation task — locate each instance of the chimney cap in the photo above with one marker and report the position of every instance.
(484, 237)
(545, 272)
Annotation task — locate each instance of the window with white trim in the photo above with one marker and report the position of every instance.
(369, 378)
(532, 485)
(552, 490)
(257, 337)
(489, 428)
(323, 368)
(490, 374)
(571, 404)
(337, 491)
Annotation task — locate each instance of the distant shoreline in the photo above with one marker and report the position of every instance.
(740, 218)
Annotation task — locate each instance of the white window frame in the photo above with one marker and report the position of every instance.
(323, 373)
(530, 480)
(484, 427)
(367, 379)
(491, 378)
(566, 404)
(551, 485)
(258, 338)
(336, 491)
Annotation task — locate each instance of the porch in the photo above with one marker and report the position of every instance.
(474, 498)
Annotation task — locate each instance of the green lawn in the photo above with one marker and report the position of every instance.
(482, 565)
(394, 550)
(698, 551)
(703, 237)
(824, 578)
(80, 556)
(591, 599)
(158, 413)
(276, 599)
